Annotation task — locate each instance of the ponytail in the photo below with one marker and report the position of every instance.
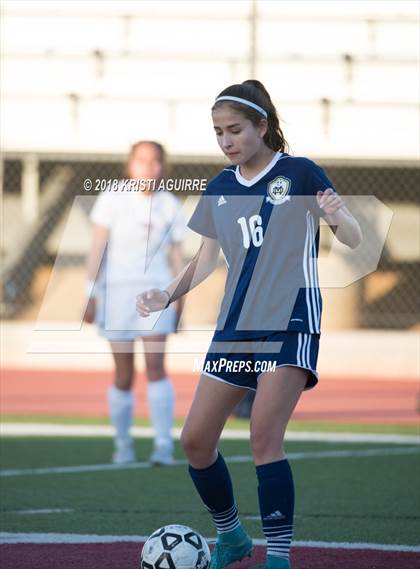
(255, 92)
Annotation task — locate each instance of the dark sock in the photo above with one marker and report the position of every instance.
(276, 497)
(214, 486)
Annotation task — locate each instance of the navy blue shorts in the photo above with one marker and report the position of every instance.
(241, 362)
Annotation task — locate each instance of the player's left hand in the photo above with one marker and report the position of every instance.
(329, 201)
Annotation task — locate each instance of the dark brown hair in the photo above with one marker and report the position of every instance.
(159, 147)
(254, 91)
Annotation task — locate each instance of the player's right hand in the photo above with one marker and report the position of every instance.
(89, 315)
(151, 300)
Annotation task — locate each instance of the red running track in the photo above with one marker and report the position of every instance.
(76, 393)
(127, 555)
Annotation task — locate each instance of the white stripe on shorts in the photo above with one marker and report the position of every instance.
(303, 355)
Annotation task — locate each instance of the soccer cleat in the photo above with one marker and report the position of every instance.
(224, 554)
(162, 455)
(124, 452)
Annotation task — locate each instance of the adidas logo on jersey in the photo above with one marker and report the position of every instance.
(277, 515)
(221, 201)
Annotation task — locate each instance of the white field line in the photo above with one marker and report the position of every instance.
(59, 430)
(231, 459)
(36, 512)
(55, 538)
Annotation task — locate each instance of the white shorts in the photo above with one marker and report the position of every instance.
(117, 318)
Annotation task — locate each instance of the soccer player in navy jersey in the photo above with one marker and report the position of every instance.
(263, 211)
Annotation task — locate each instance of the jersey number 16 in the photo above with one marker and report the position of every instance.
(251, 231)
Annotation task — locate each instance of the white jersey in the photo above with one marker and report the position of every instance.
(141, 227)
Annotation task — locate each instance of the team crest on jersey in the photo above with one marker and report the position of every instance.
(278, 190)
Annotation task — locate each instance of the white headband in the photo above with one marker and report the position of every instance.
(244, 102)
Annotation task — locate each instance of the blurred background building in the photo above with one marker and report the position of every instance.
(82, 80)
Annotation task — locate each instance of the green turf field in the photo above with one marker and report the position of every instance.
(352, 498)
(324, 426)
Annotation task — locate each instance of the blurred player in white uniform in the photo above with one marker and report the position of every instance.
(137, 242)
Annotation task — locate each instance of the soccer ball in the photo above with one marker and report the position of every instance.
(175, 547)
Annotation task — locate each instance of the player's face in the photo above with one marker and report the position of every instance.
(145, 163)
(237, 136)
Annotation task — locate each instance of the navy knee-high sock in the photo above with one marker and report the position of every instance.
(214, 486)
(276, 496)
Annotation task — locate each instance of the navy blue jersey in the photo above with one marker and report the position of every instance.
(267, 228)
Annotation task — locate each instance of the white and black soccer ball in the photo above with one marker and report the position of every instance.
(175, 547)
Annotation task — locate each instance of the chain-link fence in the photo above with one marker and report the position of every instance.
(38, 192)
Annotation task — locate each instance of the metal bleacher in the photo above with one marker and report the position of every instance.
(102, 78)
